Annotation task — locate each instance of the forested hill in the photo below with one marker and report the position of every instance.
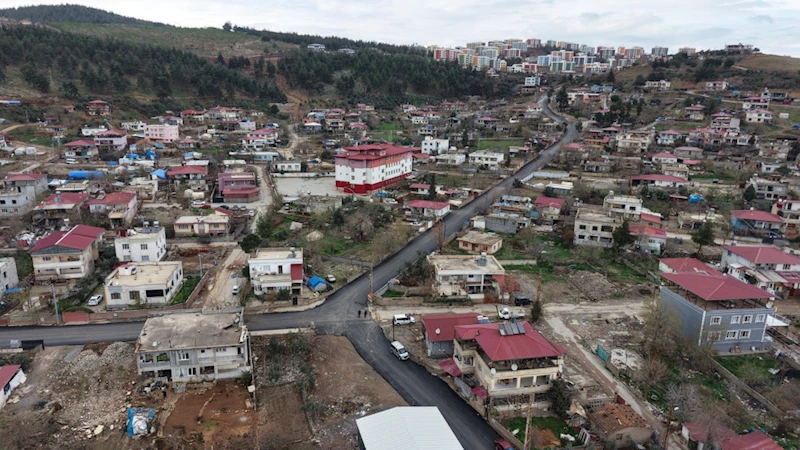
(79, 65)
(383, 79)
(69, 13)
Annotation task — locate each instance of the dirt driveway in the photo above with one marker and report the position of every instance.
(220, 295)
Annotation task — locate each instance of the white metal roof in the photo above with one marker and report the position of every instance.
(407, 428)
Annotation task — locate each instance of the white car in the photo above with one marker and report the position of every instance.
(251, 213)
(403, 319)
(198, 203)
(506, 314)
(331, 279)
(95, 300)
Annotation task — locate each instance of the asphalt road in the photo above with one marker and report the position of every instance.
(339, 316)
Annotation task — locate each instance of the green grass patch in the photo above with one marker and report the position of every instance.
(393, 294)
(24, 264)
(616, 271)
(554, 424)
(28, 134)
(501, 144)
(390, 126)
(544, 270)
(334, 245)
(507, 253)
(745, 366)
(186, 290)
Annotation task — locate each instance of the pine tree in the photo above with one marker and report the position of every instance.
(704, 236)
(622, 236)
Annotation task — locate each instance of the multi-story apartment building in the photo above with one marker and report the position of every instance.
(624, 206)
(491, 159)
(722, 312)
(193, 177)
(367, 168)
(769, 189)
(275, 269)
(193, 347)
(431, 146)
(213, 224)
(468, 275)
(111, 140)
(143, 284)
(689, 51)
(764, 266)
(634, 141)
(754, 222)
(162, 132)
(662, 85)
(660, 52)
(59, 209)
(67, 255)
(509, 359)
(98, 108)
(595, 227)
(141, 244)
(238, 186)
(19, 192)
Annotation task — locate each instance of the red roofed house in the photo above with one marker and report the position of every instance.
(756, 440)
(657, 180)
(712, 309)
(439, 330)
(649, 239)
(98, 108)
(368, 168)
(59, 208)
(66, 255)
(754, 222)
(11, 376)
(509, 359)
(706, 435)
(238, 186)
(765, 266)
(426, 209)
(678, 265)
(549, 208)
(120, 207)
(82, 150)
(19, 192)
(193, 176)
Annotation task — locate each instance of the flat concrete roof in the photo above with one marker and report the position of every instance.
(465, 263)
(186, 331)
(623, 199)
(145, 273)
(595, 215)
(272, 253)
(211, 218)
(141, 235)
(476, 237)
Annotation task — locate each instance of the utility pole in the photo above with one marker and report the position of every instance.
(55, 302)
(528, 423)
(200, 257)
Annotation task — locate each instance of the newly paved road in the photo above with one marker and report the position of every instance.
(338, 315)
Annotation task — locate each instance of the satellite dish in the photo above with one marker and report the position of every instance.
(514, 367)
(438, 331)
(493, 371)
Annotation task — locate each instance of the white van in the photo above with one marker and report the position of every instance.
(398, 350)
(403, 319)
(72, 161)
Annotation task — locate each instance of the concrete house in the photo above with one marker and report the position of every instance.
(67, 255)
(616, 423)
(193, 347)
(764, 266)
(769, 189)
(275, 269)
(194, 177)
(439, 330)
(710, 308)
(508, 359)
(59, 209)
(483, 158)
(82, 150)
(11, 376)
(143, 284)
(649, 239)
(426, 209)
(8, 275)
(595, 227)
(119, 207)
(549, 208)
(623, 206)
(201, 225)
(238, 186)
(111, 140)
(467, 275)
(141, 244)
(506, 223)
(789, 211)
(669, 137)
(656, 180)
(751, 221)
(19, 192)
(98, 108)
(477, 242)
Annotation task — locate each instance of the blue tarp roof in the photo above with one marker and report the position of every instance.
(151, 155)
(314, 281)
(113, 163)
(16, 289)
(160, 173)
(189, 155)
(132, 156)
(158, 145)
(149, 413)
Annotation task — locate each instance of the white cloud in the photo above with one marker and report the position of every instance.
(767, 24)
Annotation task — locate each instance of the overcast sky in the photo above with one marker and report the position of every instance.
(770, 25)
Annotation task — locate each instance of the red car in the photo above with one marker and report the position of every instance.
(205, 207)
(502, 444)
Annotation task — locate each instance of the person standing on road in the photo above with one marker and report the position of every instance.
(359, 313)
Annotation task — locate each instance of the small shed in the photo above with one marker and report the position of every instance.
(316, 284)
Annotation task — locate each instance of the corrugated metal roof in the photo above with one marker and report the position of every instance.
(407, 428)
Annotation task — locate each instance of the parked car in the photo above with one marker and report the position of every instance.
(403, 319)
(235, 208)
(502, 444)
(331, 278)
(72, 161)
(95, 300)
(225, 207)
(197, 203)
(251, 213)
(522, 300)
(506, 314)
(242, 208)
(398, 350)
(205, 207)
(235, 290)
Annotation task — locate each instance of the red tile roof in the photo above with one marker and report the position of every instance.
(420, 186)
(752, 214)
(114, 198)
(371, 151)
(440, 327)
(688, 265)
(652, 218)
(663, 155)
(702, 430)
(712, 287)
(25, 177)
(186, 170)
(638, 229)
(80, 237)
(7, 372)
(763, 254)
(658, 177)
(80, 143)
(98, 102)
(450, 366)
(689, 149)
(67, 198)
(756, 440)
(427, 204)
(117, 133)
(506, 348)
(549, 201)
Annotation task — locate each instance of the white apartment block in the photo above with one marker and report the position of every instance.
(141, 244)
(625, 206)
(145, 284)
(8, 275)
(491, 159)
(431, 146)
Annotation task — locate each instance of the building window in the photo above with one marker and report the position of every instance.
(736, 320)
(145, 258)
(183, 356)
(786, 267)
(581, 227)
(126, 246)
(134, 295)
(747, 319)
(116, 296)
(760, 318)
(716, 320)
(744, 334)
(46, 258)
(730, 335)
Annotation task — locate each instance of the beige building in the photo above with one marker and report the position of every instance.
(67, 255)
(595, 227)
(212, 224)
(478, 242)
(509, 359)
(625, 206)
(143, 284)
(468, 275)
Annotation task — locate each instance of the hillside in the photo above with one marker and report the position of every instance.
(69, 13)
(770, 63)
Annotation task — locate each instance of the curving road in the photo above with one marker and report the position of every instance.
(338, 315)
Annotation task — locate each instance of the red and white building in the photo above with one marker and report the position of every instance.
(657, 180)
(98, 108)
(426, 209)
(368, 168)
(275, 269)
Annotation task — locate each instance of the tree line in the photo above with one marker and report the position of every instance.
(69, 13)
(87, 64)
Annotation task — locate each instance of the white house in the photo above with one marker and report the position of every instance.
(143, 284)
(287, 166)
(431, 146)
(275, 269)
(453, 159)
(136, 125)
(468, 275)
(758, 116)
(11, 376)
(669, 137)
(491, 159)
(141, 244)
